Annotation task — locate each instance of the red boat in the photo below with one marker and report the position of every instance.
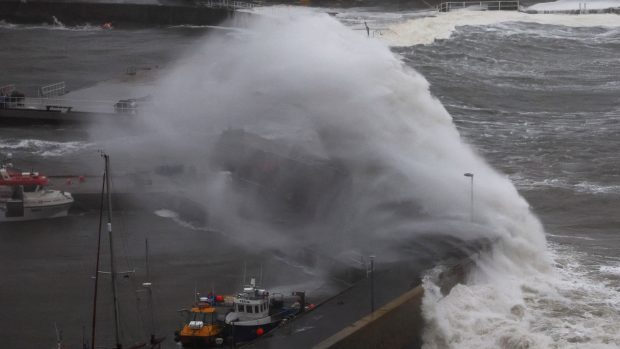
(12, 177)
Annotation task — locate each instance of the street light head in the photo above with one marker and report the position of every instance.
(469, 175)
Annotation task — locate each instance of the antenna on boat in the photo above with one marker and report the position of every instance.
(147, 285)
(245, 266)
(84, 343)
(58, 336)
(154, 341)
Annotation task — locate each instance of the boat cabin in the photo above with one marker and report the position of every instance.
(252, 303)
(201, 315)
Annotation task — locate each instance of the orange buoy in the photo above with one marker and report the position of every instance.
(219, 299)
(260, 331)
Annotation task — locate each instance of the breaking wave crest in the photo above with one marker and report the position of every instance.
(56, 25)
(41, 147)
(424, 31)
(580, 187)
(571, 307)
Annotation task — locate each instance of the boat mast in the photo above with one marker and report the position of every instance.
(92, 338)
(148, 285)
(112, 269)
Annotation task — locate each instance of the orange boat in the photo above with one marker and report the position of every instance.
(202, 328)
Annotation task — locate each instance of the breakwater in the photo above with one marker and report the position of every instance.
(399, 323)
(78, 13)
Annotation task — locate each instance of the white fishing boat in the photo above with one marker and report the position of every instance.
(24, 196)
(256, 313)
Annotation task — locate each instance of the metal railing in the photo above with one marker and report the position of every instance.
(228, 4)
(6, 90)
(500, 5)
(127, 106)
(53, 90)
(580, 11)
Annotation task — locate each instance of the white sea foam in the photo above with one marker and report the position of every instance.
(560, 183)
(216, 27)
(175, 217)
(589, 187)
(57, 25)
(43, 148)
(613, 270)
(568, 308)
(426, 30)
(166, 213)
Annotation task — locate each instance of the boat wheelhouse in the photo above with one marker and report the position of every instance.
(255, 313)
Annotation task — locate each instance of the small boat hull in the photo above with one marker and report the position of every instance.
(200, 339)
(35, 212)
(248, 332)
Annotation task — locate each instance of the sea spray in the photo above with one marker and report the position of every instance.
(305, 80)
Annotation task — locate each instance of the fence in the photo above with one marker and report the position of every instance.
(229, 4)
(53, 90)
(503, 5)
(6, 90)
(126, 106)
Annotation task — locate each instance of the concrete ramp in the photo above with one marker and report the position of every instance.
(398, 324)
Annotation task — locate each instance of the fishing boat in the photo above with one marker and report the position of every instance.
(24, 196)
(202, 329)
(256, 313)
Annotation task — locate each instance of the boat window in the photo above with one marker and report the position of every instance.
(249, 308)
(30, 188)
(198, 317)
(256, 308)
(17, 193)
(206, 318)
(240, 308)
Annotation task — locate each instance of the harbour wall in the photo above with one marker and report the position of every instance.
(20, 116)
(119, 14)
(399, 323)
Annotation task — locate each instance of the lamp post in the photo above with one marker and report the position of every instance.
(471, 196)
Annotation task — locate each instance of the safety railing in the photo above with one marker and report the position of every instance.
(228, 4)
(502, 5)
(583, 9)
(6, 90)
(52, 90)
(125, 106)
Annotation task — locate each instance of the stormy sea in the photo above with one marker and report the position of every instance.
(377, 128)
